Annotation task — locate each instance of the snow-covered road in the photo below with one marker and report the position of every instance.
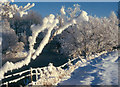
(99, 71)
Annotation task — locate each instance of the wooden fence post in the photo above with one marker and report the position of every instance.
(36, 75)
(6, 84)
(31, 74)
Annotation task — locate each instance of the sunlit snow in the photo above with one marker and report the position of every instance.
(103, 70)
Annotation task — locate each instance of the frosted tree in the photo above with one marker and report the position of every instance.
(21, 25)
(50, 23)
(8, 10)
(9, 37)
(86, 38)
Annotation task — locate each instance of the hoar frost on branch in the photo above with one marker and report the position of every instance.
(49, 23)
(87, 38)
(8, 10)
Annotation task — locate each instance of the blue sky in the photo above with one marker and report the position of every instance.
(99, 9)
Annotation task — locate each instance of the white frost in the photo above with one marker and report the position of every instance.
(62, 10)
(49, 23)
(83, 17)
(102, 70)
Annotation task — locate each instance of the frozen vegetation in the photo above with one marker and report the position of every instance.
(84, 38)
(49, 23)
(102, 70)
(87, 38)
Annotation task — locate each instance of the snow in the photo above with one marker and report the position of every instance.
(65, 26)
(73, 12)
(87, 81)
(20, 54)
(82, 17)
(62, 10)
(84, 75)
(10, 15)
(102, 70)
(13, 9)
(10, 66)
(23, 10)
(49, 23)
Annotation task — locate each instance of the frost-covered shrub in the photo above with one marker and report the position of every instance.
(11, 48)
(18, 47)
(9, 10)
(96, 35)
(50, 24)
(21, 25)
(9, 37)
(15, 51)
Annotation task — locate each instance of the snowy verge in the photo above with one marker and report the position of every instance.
(102, 70)
(57, 75)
